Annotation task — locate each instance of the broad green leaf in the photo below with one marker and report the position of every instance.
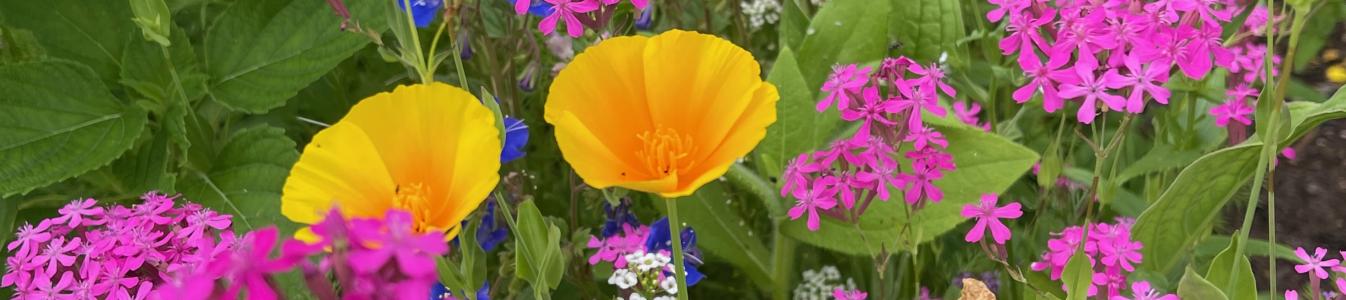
(1078, 275)
(926, 28)
(538, 257)
(1212, 245)
(1192, 286)
(1173, 223)
(1161, 157)
(9, 212)
(145, 168)
(720, 231)
(90, 32)
(262, 52)
(843, 32)
(18, 45)
(246, 179)
(987, 163)
(799, 127)
(1243, 283)
(57, 120)
(793, 25)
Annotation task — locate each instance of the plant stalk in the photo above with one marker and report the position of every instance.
(675, 235)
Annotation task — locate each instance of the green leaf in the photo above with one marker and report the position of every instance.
(57, 120)
(987, 163)
(793, 25)
(1212, 245)
(720, 231)
(246, 179)
(1161, 157)
(926, 28)
(18, 45)
(799, 127)
(9, 212)
(1051, 167)
(145, 168)
(538, 258)
(1192, 286)
(471, 272)
(90, 32)
(1078, 275)
(1184, 212)
(262, 52)
(1243, 283)
(154, 20)
(843, 32)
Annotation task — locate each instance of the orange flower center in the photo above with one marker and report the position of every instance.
(414, 198)
(662, 149)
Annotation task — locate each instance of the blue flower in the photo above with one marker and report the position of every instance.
(516, 136)
(439, 292)
(618, 216)
(659, 239)
(644, 21)
(422, 11)
(537, 8)
(490, 234)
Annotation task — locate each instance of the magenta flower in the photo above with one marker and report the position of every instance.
(27, 237)
(1042, 78)
(914, 100)
(1087, 34)
(1206, 43)
(924, 136)
(845, 80)
(988, 218)
(874, 109)
(1002, 7)
(920, 184)
(1314, 263)
(43, 287)
(796, 174)
(884, 174)
(249, 265)
(521, 6)
(56, 252)
(842, 294)
(967, 111)
(397, 238)
(566, 9)
(615, 248)
(821, 196)
(1024, 32)
(1232, 110)
(1291, 295)
(848, 182)
(932, 77)
(1141, 290)
(1093, 89)
(80, 212)
(1123, 253)
(1142, 80)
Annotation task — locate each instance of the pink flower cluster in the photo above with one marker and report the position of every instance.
(1319, 268)
(614, 248)
(1109, 249)
(1246, 70)
(576, 13)
(369, 258)
(888, 105)
(1139, 43)
(117, 252)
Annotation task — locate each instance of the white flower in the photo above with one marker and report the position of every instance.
(651, 261)
(818, 2)
(670, 285)
(761, 12)
(623, 279)
(665, 298)
(634, 256)
(636, 297)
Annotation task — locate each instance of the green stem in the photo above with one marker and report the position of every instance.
(421, 69)
(458, 62)
(675, 235)
(782, 264)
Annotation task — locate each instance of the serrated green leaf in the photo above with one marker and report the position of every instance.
(146, 70)
(927, 28)
(145, 168)
(1078, 275)
(246, 179)
(262, 52)
(1192, 286)
(18, 45)
(1244, 285)
(987, 163)
(843, 32)
(57, 120)
(799, 126)
(721, 233)
(89, 32)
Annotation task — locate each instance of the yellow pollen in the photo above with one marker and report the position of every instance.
(662, 150)
(414, 199)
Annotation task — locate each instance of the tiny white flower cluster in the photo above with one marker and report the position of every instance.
(818, 3)
(641, 277)
(819, 284)
(761, 12)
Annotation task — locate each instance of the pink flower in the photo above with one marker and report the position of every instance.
(615, 248)
(45, 289)
(1142, 80)
(28, 236)
(1314, 263)
(1025, 33)
(56, 252)
(848, 183)
(932, 77)
(796, 174)
(967, 111)
(1092, 88)
(1042, 78)
(924, 136)
(920, 184)
(397, 238)
(844, 80)
(249, 265)
(874, 109)
(1206, 43)
(1232, 110)
(1121, 252)
(883, 174)
(80, 212)
(1084, 33)
(821, 196)
(1141, 290)
(521, 6)
(841, 294)
(988, 218)
(914, 100)
(566, 9)
(1291, 295)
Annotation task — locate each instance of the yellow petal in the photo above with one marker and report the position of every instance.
(340, 166)
(603, 93)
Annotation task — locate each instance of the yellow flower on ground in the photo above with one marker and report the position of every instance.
(663, 114)
(430, 149)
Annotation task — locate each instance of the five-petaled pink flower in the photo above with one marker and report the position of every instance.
(821, 196)
(1092, 88)
(988, 218)
(1143, 79)
(1314, 263)
(874, 109)
(1234, 109)
(842, 294)
(80, 212)
(566, 9)
(1141, 290)
(845, 80)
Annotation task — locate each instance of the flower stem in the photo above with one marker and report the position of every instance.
(675, 235)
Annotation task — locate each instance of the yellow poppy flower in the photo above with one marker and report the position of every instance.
(430, 149)
(663, 114)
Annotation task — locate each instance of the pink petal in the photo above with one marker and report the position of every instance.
(998, 231)
(813, 220)
(521, 6)
(573, 26)
(1009, 211)
(548, 24)
(977, 232)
